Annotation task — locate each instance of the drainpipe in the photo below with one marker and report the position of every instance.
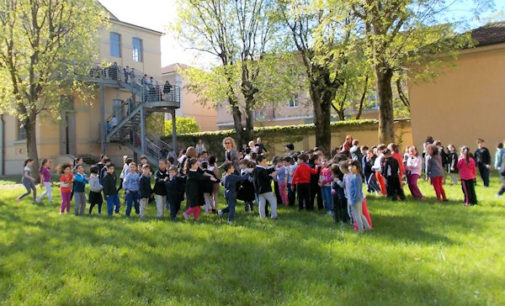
(2, 144)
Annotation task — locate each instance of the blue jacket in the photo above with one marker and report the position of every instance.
(79, 182)
(131, 182)
(355, 190)
(230, 184)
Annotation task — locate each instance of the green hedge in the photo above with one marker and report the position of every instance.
(270, 134)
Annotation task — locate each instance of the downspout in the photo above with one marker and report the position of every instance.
(2, 144)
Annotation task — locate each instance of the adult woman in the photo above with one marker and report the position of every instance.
(435, 170)
(231, 153)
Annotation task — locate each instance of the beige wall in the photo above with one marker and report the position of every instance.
(151, 41)
(205, 116)
(463, 103)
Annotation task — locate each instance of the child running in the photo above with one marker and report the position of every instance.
(28, 181)
(194, 191)
(45, 174)
(230, 181)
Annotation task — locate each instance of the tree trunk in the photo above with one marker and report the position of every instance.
(385, 96)
(31, 143)
(322, 116)
(237, 123)
(249, 125)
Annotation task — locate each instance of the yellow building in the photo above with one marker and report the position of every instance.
(113, 121)
(467, 102)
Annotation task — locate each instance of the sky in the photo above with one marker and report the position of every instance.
(157, 14)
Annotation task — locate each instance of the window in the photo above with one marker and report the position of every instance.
(293, 101)
(115, 44)
(20, 132)
(137, 49)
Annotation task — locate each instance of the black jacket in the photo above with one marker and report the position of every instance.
(159, 182)
(262, 179)
(452, 166)
(175, 188)
(109, 183)
(482, 157)
(390, 168)
(194, 188)
(145, 189)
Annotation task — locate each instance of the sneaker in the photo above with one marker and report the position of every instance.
(466, 204)
(18, 200)
(497, 195)
(220, 213)
(230, 222)
(185, 215)
(329, 213)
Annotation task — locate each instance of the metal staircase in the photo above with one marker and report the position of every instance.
(146, 98)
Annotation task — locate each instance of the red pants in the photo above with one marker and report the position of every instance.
(365, 212)
(437, 182)
(195, 210)
(382, 183)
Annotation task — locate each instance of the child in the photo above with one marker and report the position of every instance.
(435, 171)
(291, 167)
(145, 192)
(194, 191)
(80, 181)
(414, 167)
(391, 171)
(131, 189)
(66, 179)
(339, 201)
(377, 168)
(452, 163)
(356, 196)
(262, 182)
(208, 189)
(245, 188)
(175, 186)
(124, 171)
(95, 190)
(325, 180)
(395, 153)
(28, 181)
(160, 192)
(45, 173)
(282, 179)
(104, 169)
(110, 190)
(230, 181)
(301, 178)
(315, 190)
(215, 191)
(467, 169)
(370, 178)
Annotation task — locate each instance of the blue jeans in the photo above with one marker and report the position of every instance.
(112, 201)
(327, 198)
(232, 202)
(132, 196)
(175, 206)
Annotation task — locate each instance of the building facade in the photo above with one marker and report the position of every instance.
(468, 101)
(79, 130)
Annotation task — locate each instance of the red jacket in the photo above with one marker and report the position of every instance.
(302, 174)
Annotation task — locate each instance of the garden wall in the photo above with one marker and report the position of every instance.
(302, 136)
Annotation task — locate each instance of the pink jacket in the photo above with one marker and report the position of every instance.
(325, 177)
(466, 170)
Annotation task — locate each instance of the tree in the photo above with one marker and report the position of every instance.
(240, 34)
(183, 125)
(44, 45)
(322, 44)
(404, 34)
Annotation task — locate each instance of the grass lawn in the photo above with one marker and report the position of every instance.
(418, 253)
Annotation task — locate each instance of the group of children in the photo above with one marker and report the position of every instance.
(336, 182)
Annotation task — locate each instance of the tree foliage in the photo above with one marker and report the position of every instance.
(241, 34)
(183, 125)
(44, 45)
